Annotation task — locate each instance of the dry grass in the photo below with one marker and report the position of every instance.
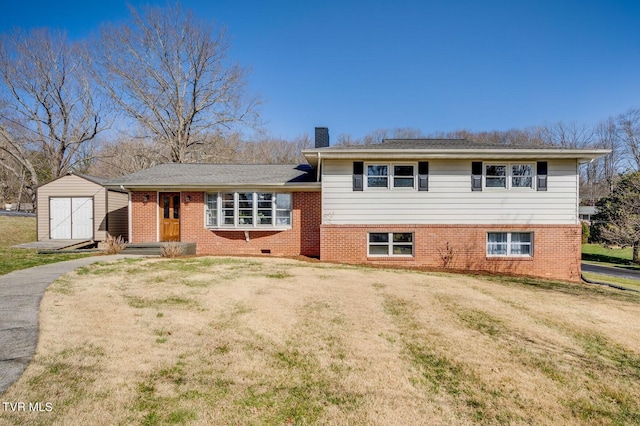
(272, 341)
(16, 230)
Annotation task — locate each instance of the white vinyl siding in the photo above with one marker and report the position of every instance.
(450, 199)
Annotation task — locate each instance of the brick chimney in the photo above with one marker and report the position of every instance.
(322, 137)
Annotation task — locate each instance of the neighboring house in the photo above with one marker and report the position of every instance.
(586, 212)
(79, 207)
(420, 203)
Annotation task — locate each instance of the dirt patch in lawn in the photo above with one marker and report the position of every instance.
(210, 340)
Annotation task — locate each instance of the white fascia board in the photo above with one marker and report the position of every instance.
(480, 154)
(293, 187)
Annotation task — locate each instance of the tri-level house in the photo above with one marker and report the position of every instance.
(432, 203)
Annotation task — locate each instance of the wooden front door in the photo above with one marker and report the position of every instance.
(169, 216)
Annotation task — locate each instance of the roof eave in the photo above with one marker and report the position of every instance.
(292, 186)
(497, 154)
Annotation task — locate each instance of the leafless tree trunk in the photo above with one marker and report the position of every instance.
(47, 103)
(629, 134)
(168, 72)
(620, 214)
(16, 161)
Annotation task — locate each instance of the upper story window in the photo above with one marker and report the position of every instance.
(403, 176)
(522, 175)
(389, 176)
(248, 210)
(508, 175)
(377, 176)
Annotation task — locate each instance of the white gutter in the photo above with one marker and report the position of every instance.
(480, 154)
(167, 187)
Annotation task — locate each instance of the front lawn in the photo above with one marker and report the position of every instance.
(608, 256)
(273, 341)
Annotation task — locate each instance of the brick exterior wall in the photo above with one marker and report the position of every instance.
(144, 217)
(556, 248)
(302, 239)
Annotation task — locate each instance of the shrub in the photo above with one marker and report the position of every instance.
(586, 233)
(447, 253)
(171, 249)
(114, 245)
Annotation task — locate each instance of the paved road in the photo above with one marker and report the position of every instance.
(620, 272)
(20, 296)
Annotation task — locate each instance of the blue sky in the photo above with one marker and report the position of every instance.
(357, 66)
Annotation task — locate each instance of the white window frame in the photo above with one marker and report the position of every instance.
(510, 244)
(390, 244)
(390, 176)
(255, 211)
(509, 176)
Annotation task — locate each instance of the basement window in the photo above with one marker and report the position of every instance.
(390, 244)
(516, 244)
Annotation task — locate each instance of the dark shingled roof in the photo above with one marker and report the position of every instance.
(173, 174)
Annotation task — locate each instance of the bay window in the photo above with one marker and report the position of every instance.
(248, 210)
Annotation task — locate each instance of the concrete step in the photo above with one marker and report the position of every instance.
(155, 249)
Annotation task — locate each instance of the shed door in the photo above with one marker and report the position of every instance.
(71, 218)
(82, 218)
(60, 218)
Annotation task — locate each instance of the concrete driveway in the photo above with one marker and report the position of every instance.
(20, 296)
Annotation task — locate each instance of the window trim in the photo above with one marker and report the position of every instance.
(390, 244)
(390, 176)
(255, 225)
(510, 243)
(509, 176)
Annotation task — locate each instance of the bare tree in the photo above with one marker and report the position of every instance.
(168, 71)
(629, 134)
(606, 137)
(47, 104)
(618, 219)
(564, 135)
(122, 156)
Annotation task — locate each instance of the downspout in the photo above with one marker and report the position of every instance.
(319, 171)
(129, 214)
